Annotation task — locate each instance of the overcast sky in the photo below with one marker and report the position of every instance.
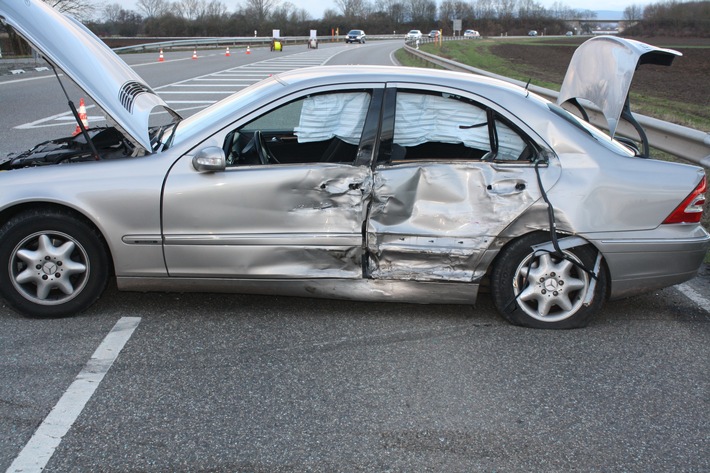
(317, 7)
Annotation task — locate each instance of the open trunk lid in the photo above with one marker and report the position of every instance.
(601, 71)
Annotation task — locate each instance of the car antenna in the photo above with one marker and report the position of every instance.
(527, 91)
(85, 133)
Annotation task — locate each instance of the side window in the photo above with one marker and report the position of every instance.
(511, 145)
(440, 126)
(317, 128)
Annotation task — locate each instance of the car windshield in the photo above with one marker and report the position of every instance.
(355, 32)
(222, 112)
(596, 133)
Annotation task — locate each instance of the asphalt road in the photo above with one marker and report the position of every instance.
(209, 382)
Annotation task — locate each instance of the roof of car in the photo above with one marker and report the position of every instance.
(381, 74)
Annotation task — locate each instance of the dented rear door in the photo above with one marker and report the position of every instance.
(441, 195)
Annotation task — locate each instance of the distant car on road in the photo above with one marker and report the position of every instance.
(471, 34)
(355, 36)
(413, 35)
(532, 33)
(434, 33)
(569, 33)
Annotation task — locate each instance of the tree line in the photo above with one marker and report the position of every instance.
(669, 18)
(212, 18)
(188, 18)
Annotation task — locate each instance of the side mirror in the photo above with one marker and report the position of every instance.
(210, 159)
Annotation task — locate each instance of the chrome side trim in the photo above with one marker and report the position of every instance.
(142, 240)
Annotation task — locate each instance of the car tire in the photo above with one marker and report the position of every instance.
(539, 290)
(52, 264)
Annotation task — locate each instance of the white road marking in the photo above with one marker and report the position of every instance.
(237, 77)
(694, 296)
(196, 92)
(28, 79)
(60, 118)
(40, 448)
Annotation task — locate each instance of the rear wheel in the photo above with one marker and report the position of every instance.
(540, 290)
(51, 264)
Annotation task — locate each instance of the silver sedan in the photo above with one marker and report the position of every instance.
(367, 183)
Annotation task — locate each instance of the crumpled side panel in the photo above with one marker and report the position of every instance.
(434, 221)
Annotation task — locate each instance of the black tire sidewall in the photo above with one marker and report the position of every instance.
(19, 227)
(503, 293)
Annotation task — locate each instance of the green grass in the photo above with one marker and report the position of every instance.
(477, 54)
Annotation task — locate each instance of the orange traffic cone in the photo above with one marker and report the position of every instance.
(82, 116)
(194, 54)
(161, 58)
(248, 52)
(227, 53)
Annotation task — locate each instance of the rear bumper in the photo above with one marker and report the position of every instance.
(638, 265)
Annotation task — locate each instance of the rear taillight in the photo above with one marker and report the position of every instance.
(691, 209)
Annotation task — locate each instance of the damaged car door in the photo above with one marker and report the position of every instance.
(291, 200)
(452, 174)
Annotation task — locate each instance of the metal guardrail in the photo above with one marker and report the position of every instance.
(685, 143)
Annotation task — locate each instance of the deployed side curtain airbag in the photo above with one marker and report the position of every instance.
(423, 118)
(333, 115)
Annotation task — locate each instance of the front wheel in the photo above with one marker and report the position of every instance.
(540, 290)
(51, 264)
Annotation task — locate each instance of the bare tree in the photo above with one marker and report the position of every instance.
(261, 9)
(153, 8)
(484, 9)
(633, 13)
(111, 12)
(393, 9)
(287, 13)
(455, 9)
(421, 11)
(506, 9)
(352, 8)
(214, 8)
(81, 9)
(528, 9)
(188, 9)
(587, 14)
(562, 11)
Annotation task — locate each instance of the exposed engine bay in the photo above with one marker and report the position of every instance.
(109, 142)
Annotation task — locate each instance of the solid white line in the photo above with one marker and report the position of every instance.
(40, 448)
(29, 79)
(196, 92)
(205, 102)
(694, 296)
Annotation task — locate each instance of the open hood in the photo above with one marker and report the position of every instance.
(601, 71)
(98, 71)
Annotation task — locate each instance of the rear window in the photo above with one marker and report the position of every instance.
(591, 130)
